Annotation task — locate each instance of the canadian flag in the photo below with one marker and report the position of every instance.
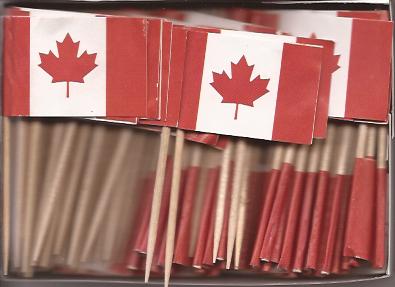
(250, 87)
(328, 66)
(360, 87)
(75, 66)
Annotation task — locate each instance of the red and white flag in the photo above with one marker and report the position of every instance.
(360, 87)
(75, 66)
(328, 66)
(250, 87)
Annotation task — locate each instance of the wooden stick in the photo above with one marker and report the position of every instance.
(114, 170)
(156, 200)
(44, 223)
(174, 196)
(240, 224)
(22, 138)
(33, 169)
(91, 169)
(6, 192)
(221, 197)
(46, 259)
(235, 199)
(124, 201)
(72, 188)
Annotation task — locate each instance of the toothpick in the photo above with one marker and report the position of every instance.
(156, 200)
(72, 189)
(124, 201)
(242, 207)
(85, 194)
(174, 196)
(114, 170)
(33, 164)
(382, 147)
(22, 138)
(235, 199)
(221, 197)
(6, 192)
(44, 223)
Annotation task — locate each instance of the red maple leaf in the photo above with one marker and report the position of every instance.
(68, 67)
(335, 63)
(334, 60)
(239, 89)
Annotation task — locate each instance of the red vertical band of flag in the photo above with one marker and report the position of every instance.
(369, 70)
(193, 71)
(165, 67)
(178, 45)
(126, 70)
(329, 65)
(299, 79)
(153, 67)
(16, 90)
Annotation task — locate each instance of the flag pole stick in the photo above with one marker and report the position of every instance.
(54, 188)
(221, 196)
(85, 194)
(173, 206)
(72, 188)
(21, 154)
(156, 199)
(240, 223)
(6, 192)
(33, 164)
(240, 155)
(100, 210)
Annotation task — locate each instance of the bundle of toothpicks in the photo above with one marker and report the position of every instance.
(87, 198)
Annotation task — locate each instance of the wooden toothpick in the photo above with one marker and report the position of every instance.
(72, 188)
(156, 200)
(6, 192)
(83, 201)
(114, 170)
(242, 208)
(174, 196)
(221, 197)
(240, 155)
(33, 169)
(21, 154)
(64, 157)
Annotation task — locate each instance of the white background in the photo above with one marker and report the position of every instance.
(49, 99)
(214, 116)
